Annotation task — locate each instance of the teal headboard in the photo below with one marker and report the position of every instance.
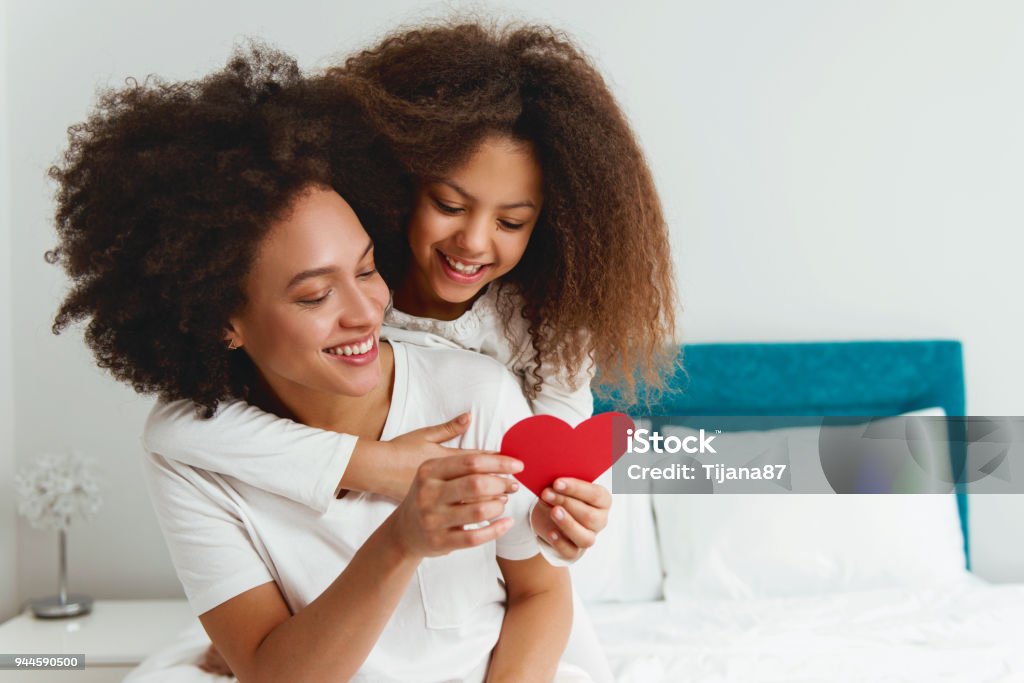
(817, 379)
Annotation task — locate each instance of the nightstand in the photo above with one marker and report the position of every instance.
(114, 638)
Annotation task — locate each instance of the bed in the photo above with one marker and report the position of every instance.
(754, 611)
(789, 587)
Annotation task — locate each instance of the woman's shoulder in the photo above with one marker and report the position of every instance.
(438, 383)
(437, 375)
(440, 362)
(164, 423)
(169, 419)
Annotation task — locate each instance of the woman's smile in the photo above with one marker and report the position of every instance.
(354, 353)
(315, 303)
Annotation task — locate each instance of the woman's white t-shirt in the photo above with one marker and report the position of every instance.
(226, 536)
(305, 464)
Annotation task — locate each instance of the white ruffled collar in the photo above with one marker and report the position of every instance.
(482, 313)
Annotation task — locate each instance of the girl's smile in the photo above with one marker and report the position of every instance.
(460, 271)
(470, 228)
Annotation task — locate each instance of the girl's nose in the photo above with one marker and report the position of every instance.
(475, 235)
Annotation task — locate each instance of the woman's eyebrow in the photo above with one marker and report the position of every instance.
(311, 273)
(526, 203)
(323, 270)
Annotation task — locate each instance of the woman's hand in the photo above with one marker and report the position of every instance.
(569, 517)
(388, 467)
(450, 494)
(213, 662)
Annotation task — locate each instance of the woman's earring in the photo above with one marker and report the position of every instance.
(231, 345)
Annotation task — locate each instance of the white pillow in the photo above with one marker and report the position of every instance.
(624, 565)
(765, 545)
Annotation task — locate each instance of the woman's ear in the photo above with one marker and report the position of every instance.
(232, 338)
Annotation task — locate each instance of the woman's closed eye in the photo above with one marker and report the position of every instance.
(314, 300)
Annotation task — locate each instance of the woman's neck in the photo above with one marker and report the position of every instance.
(362, 416)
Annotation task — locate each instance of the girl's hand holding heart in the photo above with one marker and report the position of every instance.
(569, 516)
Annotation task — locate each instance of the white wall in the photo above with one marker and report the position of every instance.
(8, 533)
(831, 170)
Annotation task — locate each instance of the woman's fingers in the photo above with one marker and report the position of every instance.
(477, 511)
(473, 537)
(213, 662)
(468, 534)
(473, 487)
(452, 493)
(456, 466)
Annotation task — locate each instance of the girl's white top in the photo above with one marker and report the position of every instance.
(480, 329)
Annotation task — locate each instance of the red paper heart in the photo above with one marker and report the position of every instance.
(550, 448)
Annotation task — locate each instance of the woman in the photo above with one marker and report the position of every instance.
(213, 261)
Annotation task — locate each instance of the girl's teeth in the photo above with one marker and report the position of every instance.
(461, 267)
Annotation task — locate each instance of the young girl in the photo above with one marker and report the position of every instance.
(192, 214)
(527, 229)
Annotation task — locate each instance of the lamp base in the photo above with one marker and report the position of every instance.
(53, 608)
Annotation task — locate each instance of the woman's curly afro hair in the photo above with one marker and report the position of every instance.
(599, 261)
(164, 196)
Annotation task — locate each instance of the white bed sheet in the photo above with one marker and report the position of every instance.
(969, 631)
(178, 661)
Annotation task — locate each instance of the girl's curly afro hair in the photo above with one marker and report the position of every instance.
(599, 261)
(165, 194)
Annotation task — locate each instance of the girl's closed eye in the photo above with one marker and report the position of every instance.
(446, 208)
(510, 225)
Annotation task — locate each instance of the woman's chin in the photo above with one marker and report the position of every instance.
(367, 380)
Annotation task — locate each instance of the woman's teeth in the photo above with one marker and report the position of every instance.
(352, 349)
(461, 267)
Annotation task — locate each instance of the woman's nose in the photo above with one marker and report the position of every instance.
(360, 309)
